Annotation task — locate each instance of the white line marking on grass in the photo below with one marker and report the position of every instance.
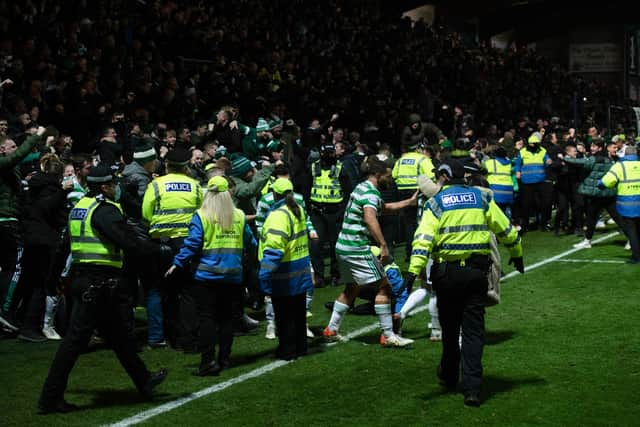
(557, 257)
(591, 261)
(169, 406)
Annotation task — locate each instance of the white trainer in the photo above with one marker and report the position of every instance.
(610, 221)
(271, 330)
(600, 225)
(309, 333)
(436, 335)
(585, 244)
(627, 247)
(51, 333)
(395, 341)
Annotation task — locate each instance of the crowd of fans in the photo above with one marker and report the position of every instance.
(269, 82)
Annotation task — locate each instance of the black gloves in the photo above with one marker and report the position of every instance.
(166, 253)
(408, 281)
(517, 263)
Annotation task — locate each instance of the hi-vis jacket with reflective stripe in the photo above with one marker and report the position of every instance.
(86, 245)
(326, 183)
(531, 165)
(217, 253)
(500, 179)
(626, 176)
(169, 203)
(285, 267)
(408, 167)
(457, 224)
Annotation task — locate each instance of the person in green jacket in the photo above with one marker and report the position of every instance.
(598, 163)
(10, 233)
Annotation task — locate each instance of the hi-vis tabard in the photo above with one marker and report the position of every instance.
(626, 176)
(169, 203)
(86, 246)
(221, 249)
(326, 183)
(500, 181)
(532, 171)
(407, 169)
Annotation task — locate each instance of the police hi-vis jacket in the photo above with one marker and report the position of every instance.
(216, 252)
(285, 267)
(457, 223)
(169, 203)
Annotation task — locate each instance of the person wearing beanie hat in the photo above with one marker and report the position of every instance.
(99, 236)
(285, 269)
(537, 192)
(218, 238)
(138, 174)
(167, 206)
(254, 140)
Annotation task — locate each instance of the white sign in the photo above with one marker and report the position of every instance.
(595, 57)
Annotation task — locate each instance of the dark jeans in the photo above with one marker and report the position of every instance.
(37, 263)
(536, 201)
(461, 293)
(214, 302)
(631, 227)
(92, 308)
(595, 205)
(291, 325)
(327, 224)
(562, 213)
(11, 251)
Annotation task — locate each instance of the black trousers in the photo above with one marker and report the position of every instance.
(291, 325)
(327, 224)
(461, 292)
(631, 227)
(93, 308)
(536, 201)
(595, 205)
(36, 264)
(214, 302)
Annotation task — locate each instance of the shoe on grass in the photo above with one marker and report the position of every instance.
(331, 335)
(436, 335)
(585, 244)
(271, 330)
(395, 341)
(51, 334)
(31, 336)
(627, 246)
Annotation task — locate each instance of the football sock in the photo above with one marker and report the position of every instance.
(384, 316)
(268, 309)
(339, 309)
(433, 311)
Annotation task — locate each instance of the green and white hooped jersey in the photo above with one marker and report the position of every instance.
(354, 236)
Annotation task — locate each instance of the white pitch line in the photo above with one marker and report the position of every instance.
(557, 257)
(591, 261)
(169, 406)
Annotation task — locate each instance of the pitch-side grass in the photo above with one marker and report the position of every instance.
(562, 349)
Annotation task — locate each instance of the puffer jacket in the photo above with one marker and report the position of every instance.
(45, 212)
(10, 185)
(597, 166)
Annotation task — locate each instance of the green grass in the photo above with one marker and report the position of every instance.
(562, 349)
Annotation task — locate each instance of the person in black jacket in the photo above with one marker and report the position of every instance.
(44, 218)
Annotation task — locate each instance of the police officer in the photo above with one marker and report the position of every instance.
(455, 232)
(285, 269)
(168, 205)
(537, 193)
(625, 176)
(326, 209)
(218, 236)
(405, 174)
(99, 236)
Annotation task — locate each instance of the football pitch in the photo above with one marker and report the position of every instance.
(563, 349)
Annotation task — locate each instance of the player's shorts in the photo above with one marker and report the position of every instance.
(360, 269)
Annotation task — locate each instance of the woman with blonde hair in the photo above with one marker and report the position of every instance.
(218, 235)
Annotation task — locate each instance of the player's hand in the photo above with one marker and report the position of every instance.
(314, 235)
(517, 263)
(385, 255)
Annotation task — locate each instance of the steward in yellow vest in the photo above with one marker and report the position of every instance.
(285, 269)
(99, 235)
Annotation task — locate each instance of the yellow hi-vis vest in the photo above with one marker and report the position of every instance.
(497, 173)
(407, 169)
(626, 175)
(169, 203)
(86, 246)
(267, 186)
(281, 226)
(326, 183)
(222, 250)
